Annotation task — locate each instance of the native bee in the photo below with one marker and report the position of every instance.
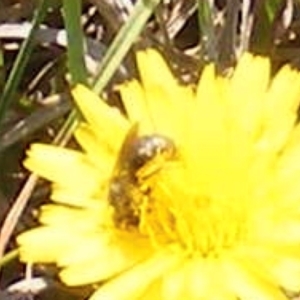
(140, 157)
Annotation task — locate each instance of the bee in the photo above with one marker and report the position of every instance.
(140, 158)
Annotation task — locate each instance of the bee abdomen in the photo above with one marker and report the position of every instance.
(120, 198)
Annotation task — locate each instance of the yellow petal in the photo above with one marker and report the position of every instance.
(133, 97)
(81, 219)
(248, 284)
(105, 120)
(58, 242)
(51, 162)
(131, 284)
(248, 86)
(97, 150)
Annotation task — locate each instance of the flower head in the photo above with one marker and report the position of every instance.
(194, 195)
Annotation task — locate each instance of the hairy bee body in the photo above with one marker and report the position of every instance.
(139, 158)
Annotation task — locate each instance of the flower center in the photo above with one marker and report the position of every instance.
(177, 212)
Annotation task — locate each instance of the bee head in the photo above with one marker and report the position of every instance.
(148, 148)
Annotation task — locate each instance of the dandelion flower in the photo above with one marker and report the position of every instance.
(219, 219)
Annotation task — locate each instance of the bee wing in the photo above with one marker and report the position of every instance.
(123, 163)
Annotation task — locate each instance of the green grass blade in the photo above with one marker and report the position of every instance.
(206, 27)
(75, 46)
(123, 41)
(22, 59)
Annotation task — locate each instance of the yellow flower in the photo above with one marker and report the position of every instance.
(217, 219)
